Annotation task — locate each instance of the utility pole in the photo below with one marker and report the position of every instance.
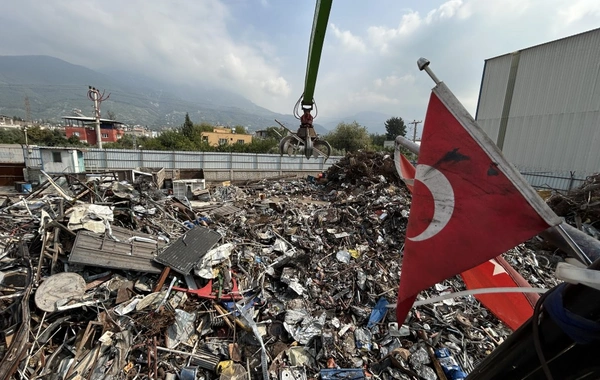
(94, 95)
(415, 123)
(27, 110)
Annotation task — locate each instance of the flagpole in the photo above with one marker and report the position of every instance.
(574, 246)
(423, 64)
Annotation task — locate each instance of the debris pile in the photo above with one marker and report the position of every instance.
(360, 168)
(272, 279)
(580, 207)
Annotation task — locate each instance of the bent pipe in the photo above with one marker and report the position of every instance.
(588, 244)
(411, 146)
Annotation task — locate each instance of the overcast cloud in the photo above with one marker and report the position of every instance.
(258, 48)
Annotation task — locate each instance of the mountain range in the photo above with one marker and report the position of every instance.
(55, 88)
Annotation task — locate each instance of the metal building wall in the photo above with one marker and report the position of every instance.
(492, 93)
(553, 123)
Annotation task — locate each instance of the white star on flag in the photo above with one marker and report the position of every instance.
(498, 269)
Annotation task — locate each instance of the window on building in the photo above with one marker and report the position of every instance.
(241, 142)
(105, 135)
(222, 141)
(56, 157)
(76, 134)
(204, 138)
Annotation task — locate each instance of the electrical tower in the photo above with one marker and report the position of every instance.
(27, 110)
(415, 123)
(95, 96)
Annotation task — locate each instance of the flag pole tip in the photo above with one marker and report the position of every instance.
(423, 63)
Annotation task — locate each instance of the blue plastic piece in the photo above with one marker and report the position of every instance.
(450, 366)
(378, 312)
(342, 373)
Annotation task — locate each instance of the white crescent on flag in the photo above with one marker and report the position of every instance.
(443, 199)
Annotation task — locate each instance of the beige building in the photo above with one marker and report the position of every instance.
(225, 136)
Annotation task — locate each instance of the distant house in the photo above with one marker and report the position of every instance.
(6, 120)
(139, 131)
(261, 134)
(9, 122)
(84, 128)
(225, 136)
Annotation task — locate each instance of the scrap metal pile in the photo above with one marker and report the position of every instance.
(580, 207)
(272, 279)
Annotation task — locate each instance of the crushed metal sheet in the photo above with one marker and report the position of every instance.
(226, 210)
(133, 251)
(183, 254)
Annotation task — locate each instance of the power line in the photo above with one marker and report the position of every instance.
(415, 123)
(27, 110)
(94, 95)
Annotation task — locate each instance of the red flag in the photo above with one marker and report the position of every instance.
(405, 170)
(469, 204)
(513, 309)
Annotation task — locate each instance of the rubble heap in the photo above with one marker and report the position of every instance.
(361, 168)
(112, 280)
(580, 207)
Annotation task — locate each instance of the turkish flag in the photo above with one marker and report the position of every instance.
(469, 203)
(513, 309)
(405, 170)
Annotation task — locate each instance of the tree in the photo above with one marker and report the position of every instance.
(204, 127)
(187, 129)
(377, 140)
(125, 142)
(240, 130)
(349, 137)
(12, 136)
(111, 115)
(394, 127)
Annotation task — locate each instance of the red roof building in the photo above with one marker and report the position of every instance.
(85, 129)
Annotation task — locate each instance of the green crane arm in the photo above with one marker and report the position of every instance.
(322, 10)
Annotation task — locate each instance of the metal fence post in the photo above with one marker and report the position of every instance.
(280, 163)
(571, 180)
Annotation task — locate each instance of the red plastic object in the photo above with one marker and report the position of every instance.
(207, 292)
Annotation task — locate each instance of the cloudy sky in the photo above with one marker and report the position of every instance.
(258, 48)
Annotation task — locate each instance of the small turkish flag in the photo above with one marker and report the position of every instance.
(513, 309)
(469, 203)
(405, 170)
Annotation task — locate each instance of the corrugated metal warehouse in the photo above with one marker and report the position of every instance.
(541, 105)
